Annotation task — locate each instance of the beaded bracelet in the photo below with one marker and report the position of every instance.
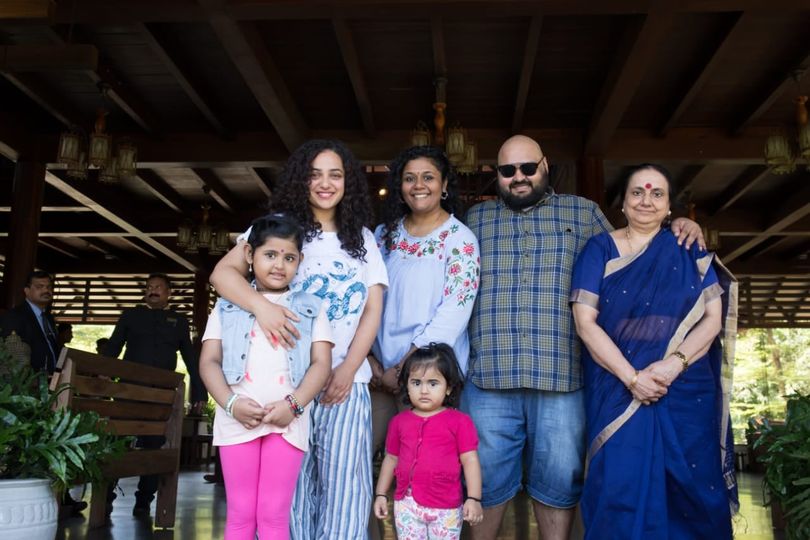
(683, 359)
(295, 407)
(382, 495)
(476, 499)
(229, 404)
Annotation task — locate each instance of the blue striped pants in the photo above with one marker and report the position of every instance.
(333, 495)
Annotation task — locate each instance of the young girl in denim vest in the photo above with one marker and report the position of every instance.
(263, 392)
(324, 187)
(427, 448)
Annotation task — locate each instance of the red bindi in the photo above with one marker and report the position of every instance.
(648, 185)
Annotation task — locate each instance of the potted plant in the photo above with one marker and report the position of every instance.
(787, 465)
(43, 449)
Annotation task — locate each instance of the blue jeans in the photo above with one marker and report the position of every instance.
(541, 432)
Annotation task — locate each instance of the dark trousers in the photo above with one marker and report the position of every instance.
(148, 485)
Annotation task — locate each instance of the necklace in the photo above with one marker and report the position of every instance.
(630, 242)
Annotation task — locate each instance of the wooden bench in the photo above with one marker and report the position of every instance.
(136, 400)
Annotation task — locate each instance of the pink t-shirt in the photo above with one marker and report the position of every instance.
(428, 452)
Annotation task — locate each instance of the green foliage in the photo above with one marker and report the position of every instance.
(769, 364)
(38, 440)
(787, 464)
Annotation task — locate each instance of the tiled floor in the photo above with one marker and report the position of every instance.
(201, 515)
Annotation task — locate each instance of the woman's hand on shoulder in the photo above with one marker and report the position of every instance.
(687, 230)
(473, 512)
(248, 412)
(277, 324)
(278, 413)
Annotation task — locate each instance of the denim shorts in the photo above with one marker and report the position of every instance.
(541, 432)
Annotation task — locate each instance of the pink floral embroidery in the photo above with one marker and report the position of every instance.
(454, 269)
(468, 249)
(247, 377)
(413, 248)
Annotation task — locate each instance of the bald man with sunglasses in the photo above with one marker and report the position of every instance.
(524, 388)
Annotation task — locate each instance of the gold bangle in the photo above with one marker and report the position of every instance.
(684, 360)
(633, 382)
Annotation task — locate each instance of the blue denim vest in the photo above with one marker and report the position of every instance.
(236, 326)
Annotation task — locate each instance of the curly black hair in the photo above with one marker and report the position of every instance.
(441, 356)
(353, 212)
(395, 207)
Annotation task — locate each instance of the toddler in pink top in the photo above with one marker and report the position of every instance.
(427, 447)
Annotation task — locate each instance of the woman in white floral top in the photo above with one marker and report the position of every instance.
(433, 272)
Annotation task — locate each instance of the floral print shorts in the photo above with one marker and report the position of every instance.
(417, 522)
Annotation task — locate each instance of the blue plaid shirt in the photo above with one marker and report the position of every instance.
(522, 334)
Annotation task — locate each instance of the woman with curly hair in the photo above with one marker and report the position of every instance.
(324, 188)
(433, 269)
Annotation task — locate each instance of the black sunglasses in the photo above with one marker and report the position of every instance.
(528, 169)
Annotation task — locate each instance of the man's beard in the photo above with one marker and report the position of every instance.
(521, 202)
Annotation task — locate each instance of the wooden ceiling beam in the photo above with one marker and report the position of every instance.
(691, 175)
(351, 61)
(53, 103)
(639, 44)
(27, 11)
(437, 40)
(698, 79)
(128, 12)
(749, 178)
(796, 70)
(138, 247)
(263, 178)
(58, 246)
(117, 217)
(794, 209)
(218, 190)
(50, 58)
(119, 92)
(192, 85)
(158, 187)
(247, 50)
(526, 71)
(68, 209)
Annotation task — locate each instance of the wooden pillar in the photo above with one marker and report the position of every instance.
(591, 179)
(26, 209)
(200, 310)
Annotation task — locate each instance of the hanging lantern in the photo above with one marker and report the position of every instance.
(70, 148)
(205, 233)
(221, 241)
(78, 170)
(184, 232)
(470, 163)
(109, 172)
(778, 154)
(127, 159)
(456, 146)
(804, 141)
(100, 148)
(193, 245)
(421, 135)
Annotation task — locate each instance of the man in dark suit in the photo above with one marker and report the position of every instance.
(35, 326)
(33, 323)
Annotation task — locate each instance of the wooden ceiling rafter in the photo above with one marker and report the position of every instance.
(247, 50)
(136, 246)
(116, 89)
(527, 71)
(158, 187)
(55, 57)
(191, 84)
(795, 71)
(750, 177)
(691, 176)
(53, 103)
(262, 179)
(794, 209)
(27, 11)
(218, 190)
(58, 246)
(698, 79)
(636, 50)
(351, 61)
(115, 216)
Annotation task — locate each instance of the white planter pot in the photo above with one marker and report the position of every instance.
(28, 510)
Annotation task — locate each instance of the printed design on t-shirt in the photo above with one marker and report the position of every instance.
(346, 297)
(462, 273)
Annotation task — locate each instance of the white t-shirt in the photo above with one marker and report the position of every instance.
(267, 379)
(343, 282)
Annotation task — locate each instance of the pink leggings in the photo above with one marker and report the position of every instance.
(260, 477)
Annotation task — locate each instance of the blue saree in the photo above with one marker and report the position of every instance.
(659, 471)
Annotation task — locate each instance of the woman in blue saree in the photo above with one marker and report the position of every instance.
(656, 376)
